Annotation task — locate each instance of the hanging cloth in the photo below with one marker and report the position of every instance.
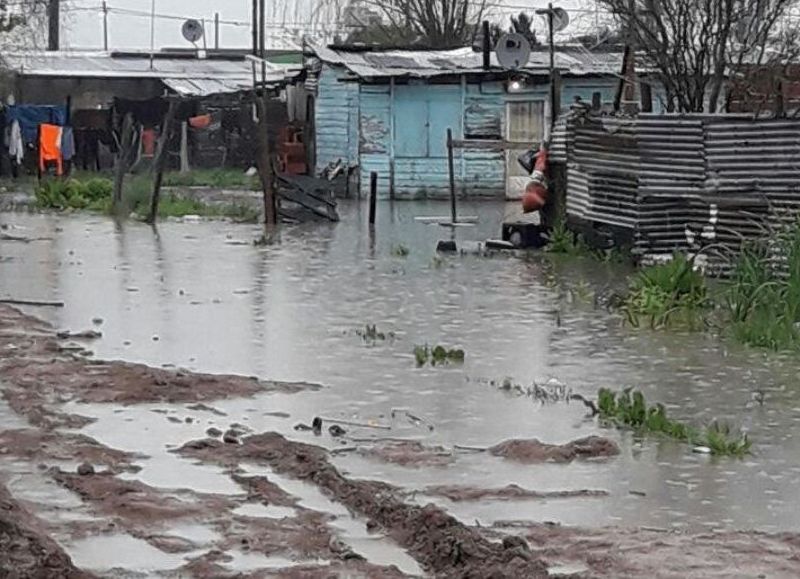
(50, 148)
(16, 148)
(67, 144)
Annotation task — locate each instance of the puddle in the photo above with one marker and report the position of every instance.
(113, 552)
(375, 548)
(245, 562)
(257, 510)
(199, 535)
(566, 569)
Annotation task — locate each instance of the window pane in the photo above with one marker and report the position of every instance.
(526, 121)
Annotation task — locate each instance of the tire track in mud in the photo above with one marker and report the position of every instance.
(438, 541)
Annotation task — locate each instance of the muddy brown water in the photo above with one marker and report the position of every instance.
(202, 296)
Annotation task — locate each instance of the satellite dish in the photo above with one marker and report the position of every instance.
(513, 51)
(192, 30)
(560, 19)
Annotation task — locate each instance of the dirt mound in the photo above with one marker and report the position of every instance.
(534, 451)
(463, 493)
(409, 453)
(37, 445)
(439, 542)
(26, 550)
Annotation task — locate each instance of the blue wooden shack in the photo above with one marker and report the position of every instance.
(389, 111)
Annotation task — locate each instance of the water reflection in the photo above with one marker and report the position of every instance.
(189, 294)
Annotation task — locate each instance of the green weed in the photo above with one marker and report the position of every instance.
(370, 334)
(400, 250)
(629, 409)
(564, 241)
(668, 292)
(61, 194)
(438, 355)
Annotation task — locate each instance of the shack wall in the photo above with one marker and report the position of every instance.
(336, 118)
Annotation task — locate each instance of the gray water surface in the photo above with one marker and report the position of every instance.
(202, 296)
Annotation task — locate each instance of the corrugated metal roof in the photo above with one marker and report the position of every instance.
(571, 60)
(187, 76)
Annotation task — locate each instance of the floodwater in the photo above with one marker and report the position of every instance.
(203, 297)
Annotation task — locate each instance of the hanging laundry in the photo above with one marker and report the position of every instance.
(50, 148)
(200, 122)
(148, 142)
(31, 116)
(67, 143)
(16, 148)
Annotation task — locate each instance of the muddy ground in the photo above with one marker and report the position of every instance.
(40, 373)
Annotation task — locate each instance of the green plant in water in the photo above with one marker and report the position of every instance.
(438, 355)
(371, 334)
(629, 409)
(400, 250)
(564, 241)
(762, 296)
(668, 292)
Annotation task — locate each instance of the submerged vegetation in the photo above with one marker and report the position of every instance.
(629, 409)
(673, 291)
(438, 355)
(400, 250)
(371, 335)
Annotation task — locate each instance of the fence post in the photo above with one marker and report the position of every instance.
(373, 195)
(451, 170)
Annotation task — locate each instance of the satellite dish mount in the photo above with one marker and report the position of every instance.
(192, 30)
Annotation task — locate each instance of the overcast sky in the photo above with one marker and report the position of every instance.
(129, 21)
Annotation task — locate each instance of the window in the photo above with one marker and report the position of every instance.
(525, 121)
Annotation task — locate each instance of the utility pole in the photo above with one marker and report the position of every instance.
(255, 27)
(53, 24)
(554, 106)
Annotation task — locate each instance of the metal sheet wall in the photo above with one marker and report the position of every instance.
(679, 182)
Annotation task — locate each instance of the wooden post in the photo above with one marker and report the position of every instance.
(553, 96)
(185, 147)
(451, 170)
(486, 46)
(216, 30)
(122, 158)
(264, 161)
(161, 158)
(53, 25)
(373, 195)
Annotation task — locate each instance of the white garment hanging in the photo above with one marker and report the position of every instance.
(16, 149)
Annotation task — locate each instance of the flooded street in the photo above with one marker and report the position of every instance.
(202, 296)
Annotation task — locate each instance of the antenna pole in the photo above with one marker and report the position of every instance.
(105, 26)
(216, 30)
(152, 32)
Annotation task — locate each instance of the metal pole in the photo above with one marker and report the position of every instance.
(255, 27)
(451, 170)
(552, 65)
(205, 41)
(216, 30)
(152, 32)
(373, 195)
(105, 26)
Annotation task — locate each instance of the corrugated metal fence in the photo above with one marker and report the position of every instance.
(676, 182)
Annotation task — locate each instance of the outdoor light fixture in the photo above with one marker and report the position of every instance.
(516, 84)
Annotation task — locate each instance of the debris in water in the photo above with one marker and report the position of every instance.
(214, 432)
(337, 430)
(85, 469)
(84, 335)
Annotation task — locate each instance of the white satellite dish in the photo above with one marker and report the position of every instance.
(560, 19)
(192, 30)
(513, 51)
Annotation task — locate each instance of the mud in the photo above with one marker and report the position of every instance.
(534, 451)
(439, 542)
(511, 492)
(409, 453)
(37, 445)
(38, 373)
(25, 548)
(635, 553)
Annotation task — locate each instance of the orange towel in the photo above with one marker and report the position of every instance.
(50, 148)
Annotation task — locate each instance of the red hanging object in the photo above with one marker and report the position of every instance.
(535, 195)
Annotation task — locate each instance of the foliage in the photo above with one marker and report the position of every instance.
(629, 409)
(429, 23)
(61, 194)
(763, 294)
(400, 250)
(668, 292)
(217, 178)
(694, 47)
(565, 241)
(523, 24)
(438, 355)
